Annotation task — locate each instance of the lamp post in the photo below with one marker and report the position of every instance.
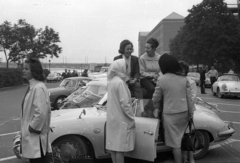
(49, 65)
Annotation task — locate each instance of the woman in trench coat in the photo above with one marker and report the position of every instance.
(36, 114)
(120, 136)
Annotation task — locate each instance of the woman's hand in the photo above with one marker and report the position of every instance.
(156, 112)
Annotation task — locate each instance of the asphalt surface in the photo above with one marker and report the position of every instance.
(226, 151)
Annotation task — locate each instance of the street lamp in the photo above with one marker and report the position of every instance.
(49, 65)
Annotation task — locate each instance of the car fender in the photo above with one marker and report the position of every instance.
(209, 121)
(92, 128)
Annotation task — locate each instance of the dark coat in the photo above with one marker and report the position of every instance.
(134, 66)
(202, 75)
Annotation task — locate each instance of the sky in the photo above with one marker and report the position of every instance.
(91, 30)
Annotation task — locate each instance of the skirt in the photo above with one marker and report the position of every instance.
(174, 128)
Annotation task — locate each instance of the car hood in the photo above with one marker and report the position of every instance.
(56, 89)
(68, 114)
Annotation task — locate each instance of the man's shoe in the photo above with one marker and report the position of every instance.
(203, 93)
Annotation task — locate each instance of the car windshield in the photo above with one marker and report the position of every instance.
(229, 78)
(51, 75)
(97, 89)
(68, 83)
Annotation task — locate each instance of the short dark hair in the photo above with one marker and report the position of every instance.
(153, 42)
(169, 64)
(184, 67)
(123, 44)
(36, 68)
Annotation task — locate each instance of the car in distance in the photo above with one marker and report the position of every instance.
(66, 87)
(227, 84)
(195, 76)
(86, 96)
(81, 132)
(53, 77)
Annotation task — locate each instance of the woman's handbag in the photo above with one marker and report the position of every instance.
(191, 141)
(188, 140)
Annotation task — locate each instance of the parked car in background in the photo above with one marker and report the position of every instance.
(60, 78)
(86, 96)
(66, 87)
(194, 76)
(207, 81)
(81, 131)
(101, 74)
(53, 77)
(227, 84)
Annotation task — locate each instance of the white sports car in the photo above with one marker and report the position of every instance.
(227, 85)
(80, 133)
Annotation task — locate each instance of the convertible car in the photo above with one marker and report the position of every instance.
(227, 85)
(66, 87)
(80, 133)
(86, 96)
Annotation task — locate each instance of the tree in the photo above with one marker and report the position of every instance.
(27, 40)
(7, 39)
(210, 36)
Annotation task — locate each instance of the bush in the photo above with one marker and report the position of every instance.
(10, 77)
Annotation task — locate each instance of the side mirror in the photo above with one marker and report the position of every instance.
(83, 112)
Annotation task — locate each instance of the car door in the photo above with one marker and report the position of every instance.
(146, 132)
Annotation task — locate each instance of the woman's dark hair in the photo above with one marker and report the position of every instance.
(184, 67)
(169, 64)
(36, 68)
(153, 42)
(123, 44)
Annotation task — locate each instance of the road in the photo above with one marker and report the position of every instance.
(226, 151)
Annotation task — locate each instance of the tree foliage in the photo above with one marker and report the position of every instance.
(24, 39)
(210, 36)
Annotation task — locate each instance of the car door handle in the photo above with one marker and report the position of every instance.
(148, 132)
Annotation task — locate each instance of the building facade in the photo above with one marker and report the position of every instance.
(164, 31)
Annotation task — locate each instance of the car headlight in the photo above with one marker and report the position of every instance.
(224, 87)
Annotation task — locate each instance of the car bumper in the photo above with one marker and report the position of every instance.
(230, 93)
(227, 133)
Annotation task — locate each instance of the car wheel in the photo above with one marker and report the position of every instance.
(203, 135)
(69, 147)
(219, 93)
(58, 102)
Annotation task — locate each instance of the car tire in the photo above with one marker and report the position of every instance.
(203, 135)
(219, 93)
(57, 104)
(68, 147)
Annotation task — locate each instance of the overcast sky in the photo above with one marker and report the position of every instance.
(93, 29)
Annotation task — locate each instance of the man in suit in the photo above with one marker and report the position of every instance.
(202, 80)
(126, 49)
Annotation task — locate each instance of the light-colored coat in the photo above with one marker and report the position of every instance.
(120, 134)
(176, 90)
(36, 113)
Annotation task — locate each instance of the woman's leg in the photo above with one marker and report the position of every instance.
(177, 153)
(113, 156)
(149, 86)
(190, 157)
(120, 157)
